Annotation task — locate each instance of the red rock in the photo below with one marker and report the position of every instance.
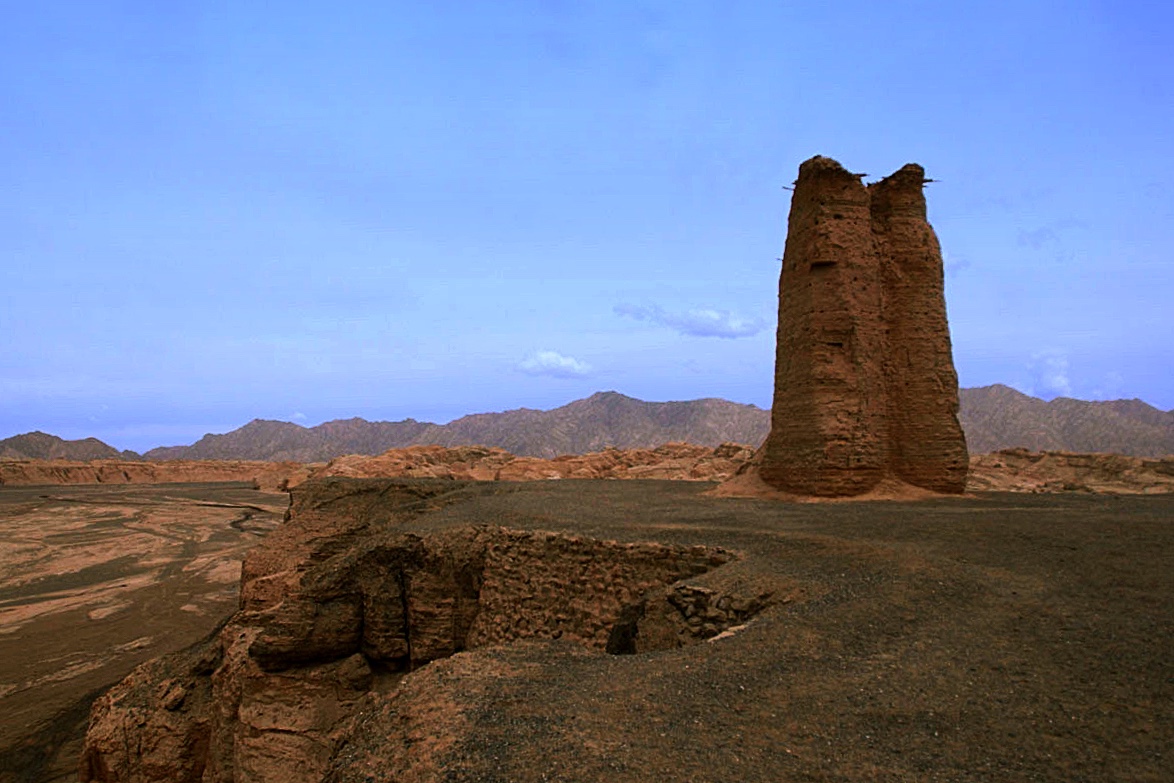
(675, 461)
(533, 469)
(1020, 470)
(269, 698)
(476, 463)
(268, 476)
(678, 461)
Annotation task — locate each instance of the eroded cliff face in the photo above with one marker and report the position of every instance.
(1020, 470)
(339, 604)
(266, 476)
(865, 387)
(676, 461)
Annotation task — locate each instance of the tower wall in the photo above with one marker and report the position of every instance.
(865, 387)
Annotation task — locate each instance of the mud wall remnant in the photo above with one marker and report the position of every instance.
(865, 387)
(341, 603)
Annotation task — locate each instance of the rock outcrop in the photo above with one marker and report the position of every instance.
(889, 642)
(675, 461)
(865, 387)
(341, 601)
(1010, 470)
(268, 476)
(1020, 470)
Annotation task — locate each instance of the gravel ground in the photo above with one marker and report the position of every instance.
(994, 638)
(1001, 637)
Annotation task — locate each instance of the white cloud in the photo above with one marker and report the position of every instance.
(1049, 372)
(553, 364)
(955, 265)
(1038, 238)
(704, 322)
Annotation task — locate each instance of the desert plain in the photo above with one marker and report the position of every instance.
(992, 637)
(95, 580)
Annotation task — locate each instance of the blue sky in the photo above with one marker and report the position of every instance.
(213, 212)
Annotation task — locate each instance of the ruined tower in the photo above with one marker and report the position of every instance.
(865, 387)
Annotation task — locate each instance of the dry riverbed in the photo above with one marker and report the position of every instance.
(95, 580)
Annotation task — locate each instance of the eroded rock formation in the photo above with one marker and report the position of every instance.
(865, 387)
(267, 476)
(340, 602)
(885, 651)
(678, 461)
(1020, 470)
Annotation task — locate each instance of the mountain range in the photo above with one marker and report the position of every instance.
(41, 445)
(993, 417)
(998, 417)
(592, 424)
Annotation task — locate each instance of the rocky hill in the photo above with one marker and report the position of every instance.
(607, 419)
(592, 424)
(999, 417)
(267, 476)
(41, 445)
(283, 441)
(993, 418)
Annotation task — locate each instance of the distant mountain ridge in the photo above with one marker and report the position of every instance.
(41, 445)
(281, 440)
(591, 424)
(993, 417)
(998, 417)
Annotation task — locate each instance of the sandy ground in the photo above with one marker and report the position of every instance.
(93, 581)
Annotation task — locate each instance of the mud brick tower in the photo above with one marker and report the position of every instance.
(865, 387)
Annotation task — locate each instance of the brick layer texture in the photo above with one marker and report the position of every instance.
(865, 387)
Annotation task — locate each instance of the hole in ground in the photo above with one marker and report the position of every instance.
(337, 647)
(404, 600)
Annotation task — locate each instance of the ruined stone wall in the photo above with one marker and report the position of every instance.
(340, 602)
(927, 446)
(865, 388)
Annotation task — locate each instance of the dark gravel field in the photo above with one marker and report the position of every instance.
(994, 638)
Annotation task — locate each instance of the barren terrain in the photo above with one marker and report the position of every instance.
(93, 581)
(1011, 470)
(999, 637)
